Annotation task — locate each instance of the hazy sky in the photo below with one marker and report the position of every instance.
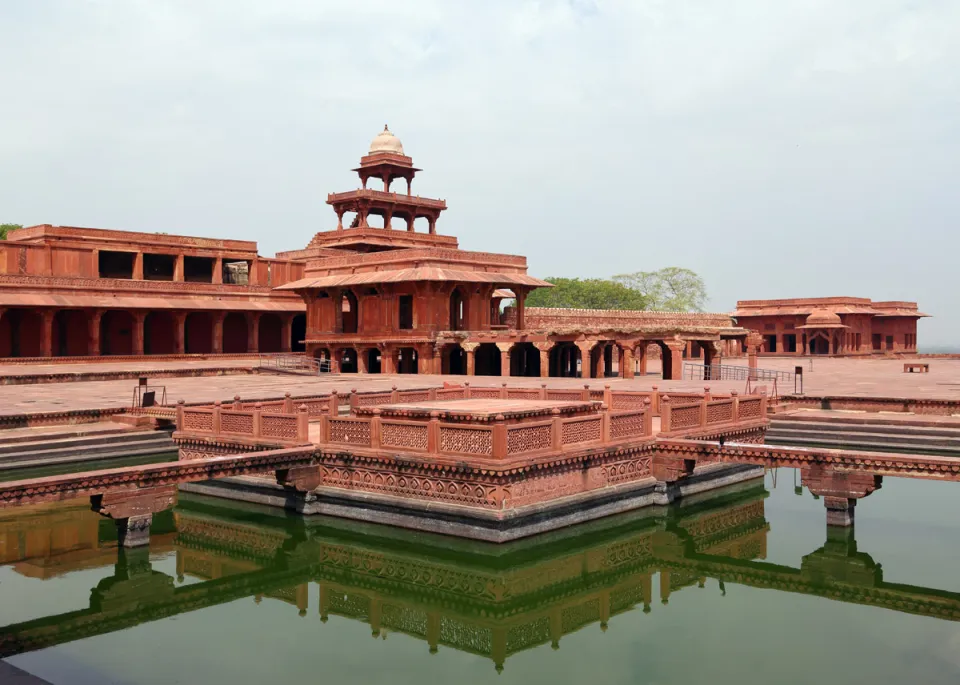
(781, 148)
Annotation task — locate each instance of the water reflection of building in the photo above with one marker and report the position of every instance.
(489, 600)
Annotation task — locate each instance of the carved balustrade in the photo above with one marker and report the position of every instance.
(680, 415)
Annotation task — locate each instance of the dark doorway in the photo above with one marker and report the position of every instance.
(487, 360)
(298, 332)
(373, 361)
(525, 360)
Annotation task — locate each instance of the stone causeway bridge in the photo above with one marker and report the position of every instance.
(498, 605)
(482, 449)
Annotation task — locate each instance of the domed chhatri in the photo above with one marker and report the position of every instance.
(386, 142)
(823, 318)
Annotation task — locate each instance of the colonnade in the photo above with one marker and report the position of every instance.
(53, 332)
(560, 358)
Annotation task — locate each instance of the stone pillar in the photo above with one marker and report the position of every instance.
(217, 270)
(138, 266)
(544, 358)
(521, 308)
(286, 333)
(504, 358)
(470, 349)
(93, 332)
(641, 354)
(253, 331)
(840, 510)
(626, 362)
(754, 340)
(585, 347)
(388, 359)
(362, 360)
(218, 318)
(675, 348)
(179, 330)
(46, 342)
(178, 268)
(137, 334)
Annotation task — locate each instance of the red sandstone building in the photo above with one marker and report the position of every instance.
(382, 298)
(831, 325)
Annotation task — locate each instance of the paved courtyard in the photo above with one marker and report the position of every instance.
(880, 377)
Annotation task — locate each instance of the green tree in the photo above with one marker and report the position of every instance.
(672, 289)
(587, 293)
(7, 227)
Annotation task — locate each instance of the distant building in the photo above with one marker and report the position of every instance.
(837, 326)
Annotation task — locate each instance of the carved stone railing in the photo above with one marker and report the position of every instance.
(681, 415)
(272, 427)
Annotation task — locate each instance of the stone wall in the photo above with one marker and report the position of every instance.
(547, 317)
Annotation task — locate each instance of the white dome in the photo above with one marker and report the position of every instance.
(386, 142)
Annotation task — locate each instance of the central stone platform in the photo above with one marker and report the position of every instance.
(481, 410)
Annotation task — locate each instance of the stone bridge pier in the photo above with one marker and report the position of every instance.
(840, 490)
(133, 511)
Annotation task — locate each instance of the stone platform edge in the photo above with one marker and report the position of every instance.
(464, 522)
(89, 376)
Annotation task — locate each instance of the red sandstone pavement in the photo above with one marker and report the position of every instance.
(880, 377)
(139, 365)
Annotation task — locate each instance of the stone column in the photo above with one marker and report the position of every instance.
(217, 271)
(676, 359)
(388, 359)
(137, 337)
(218, 318)
(754, 340)
(640, 352)
(93, 332)
(504, 358)
(46, 342)
(178, 268)
(544, 358)
(138, 266)
(585, 347)
(286, 333)
(626, 361)
(253, 331)
(362, 360)
(179, 330)
(470, 350)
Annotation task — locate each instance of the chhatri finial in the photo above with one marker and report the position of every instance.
(385, 128)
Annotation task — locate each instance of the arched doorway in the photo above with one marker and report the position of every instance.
(408, 360)
(666, 361)
(348, 360)
(458, 310)
(70, 333)
(298, 332)
(374, 360)
(270, 333)
(819, 344)
(563, 360)
(159, 336)
(235, 333)
(525, 360)
(487, 360)
(116, 332)
(349, 311)
(198, 333)
(454, 360)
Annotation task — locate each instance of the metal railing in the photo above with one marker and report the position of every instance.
(296, 363)
(724, 372)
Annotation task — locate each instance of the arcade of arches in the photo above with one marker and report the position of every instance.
(26, 332)
(607, 358)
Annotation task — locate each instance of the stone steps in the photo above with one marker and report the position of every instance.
(858, 433)
(47, 452)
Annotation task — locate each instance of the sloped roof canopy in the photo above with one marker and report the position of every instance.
(433, 274)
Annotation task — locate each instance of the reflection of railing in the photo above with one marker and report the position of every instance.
(724, 372)
(296, 363)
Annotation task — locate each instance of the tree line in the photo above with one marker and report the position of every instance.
(672, 289)
(5, 228)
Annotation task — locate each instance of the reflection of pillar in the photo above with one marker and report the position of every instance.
(253, 331)
(504, 358)
(665, 575)
(138, 321)
(470, 349)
